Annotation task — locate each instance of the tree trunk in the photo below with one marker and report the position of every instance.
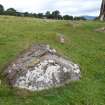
(102, 11)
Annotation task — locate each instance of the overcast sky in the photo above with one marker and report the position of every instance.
(71, 7)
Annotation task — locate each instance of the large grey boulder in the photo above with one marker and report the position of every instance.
(102, 11)
(41, 68)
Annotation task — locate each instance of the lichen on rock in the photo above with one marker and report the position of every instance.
(41, 68)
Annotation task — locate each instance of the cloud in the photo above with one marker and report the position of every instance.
(71, 7)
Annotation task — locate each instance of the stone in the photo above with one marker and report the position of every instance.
(61, 38)
(41, 67)
(102, 11)
(102, 29)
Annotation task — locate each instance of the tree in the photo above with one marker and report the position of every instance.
(11, 11)
(102, 11)
(26, 14)
(40, 15)
(60, 17)
(79, 18)
(56, 14)
(67, 17)
(19, 14)
(1, 9)
(35, 15)
(48, 14)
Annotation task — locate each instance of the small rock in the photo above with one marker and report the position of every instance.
(100, 29)
(62, 39)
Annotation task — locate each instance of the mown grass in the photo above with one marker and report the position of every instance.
(83, 46)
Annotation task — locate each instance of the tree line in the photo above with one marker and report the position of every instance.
(48, 15)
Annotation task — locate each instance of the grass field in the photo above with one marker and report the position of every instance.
(83, 46)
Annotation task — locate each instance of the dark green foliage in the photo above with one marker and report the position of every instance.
(1, 9)
(79, 18)
(40, 15)
(56, 14)
(10, 11)
(48, 15)
(67, 17)
(26, 14)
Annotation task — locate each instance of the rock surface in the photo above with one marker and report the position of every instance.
(41, 68)
(102, 11)
(102, 29)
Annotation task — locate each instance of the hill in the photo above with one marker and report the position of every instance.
(83, 45)
(89, 17)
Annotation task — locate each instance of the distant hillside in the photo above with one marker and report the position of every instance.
(89, 17)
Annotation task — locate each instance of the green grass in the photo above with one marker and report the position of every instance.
(83, 46)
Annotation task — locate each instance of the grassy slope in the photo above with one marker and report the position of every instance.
(84, 46)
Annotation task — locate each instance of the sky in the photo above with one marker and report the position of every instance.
(71, 7)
